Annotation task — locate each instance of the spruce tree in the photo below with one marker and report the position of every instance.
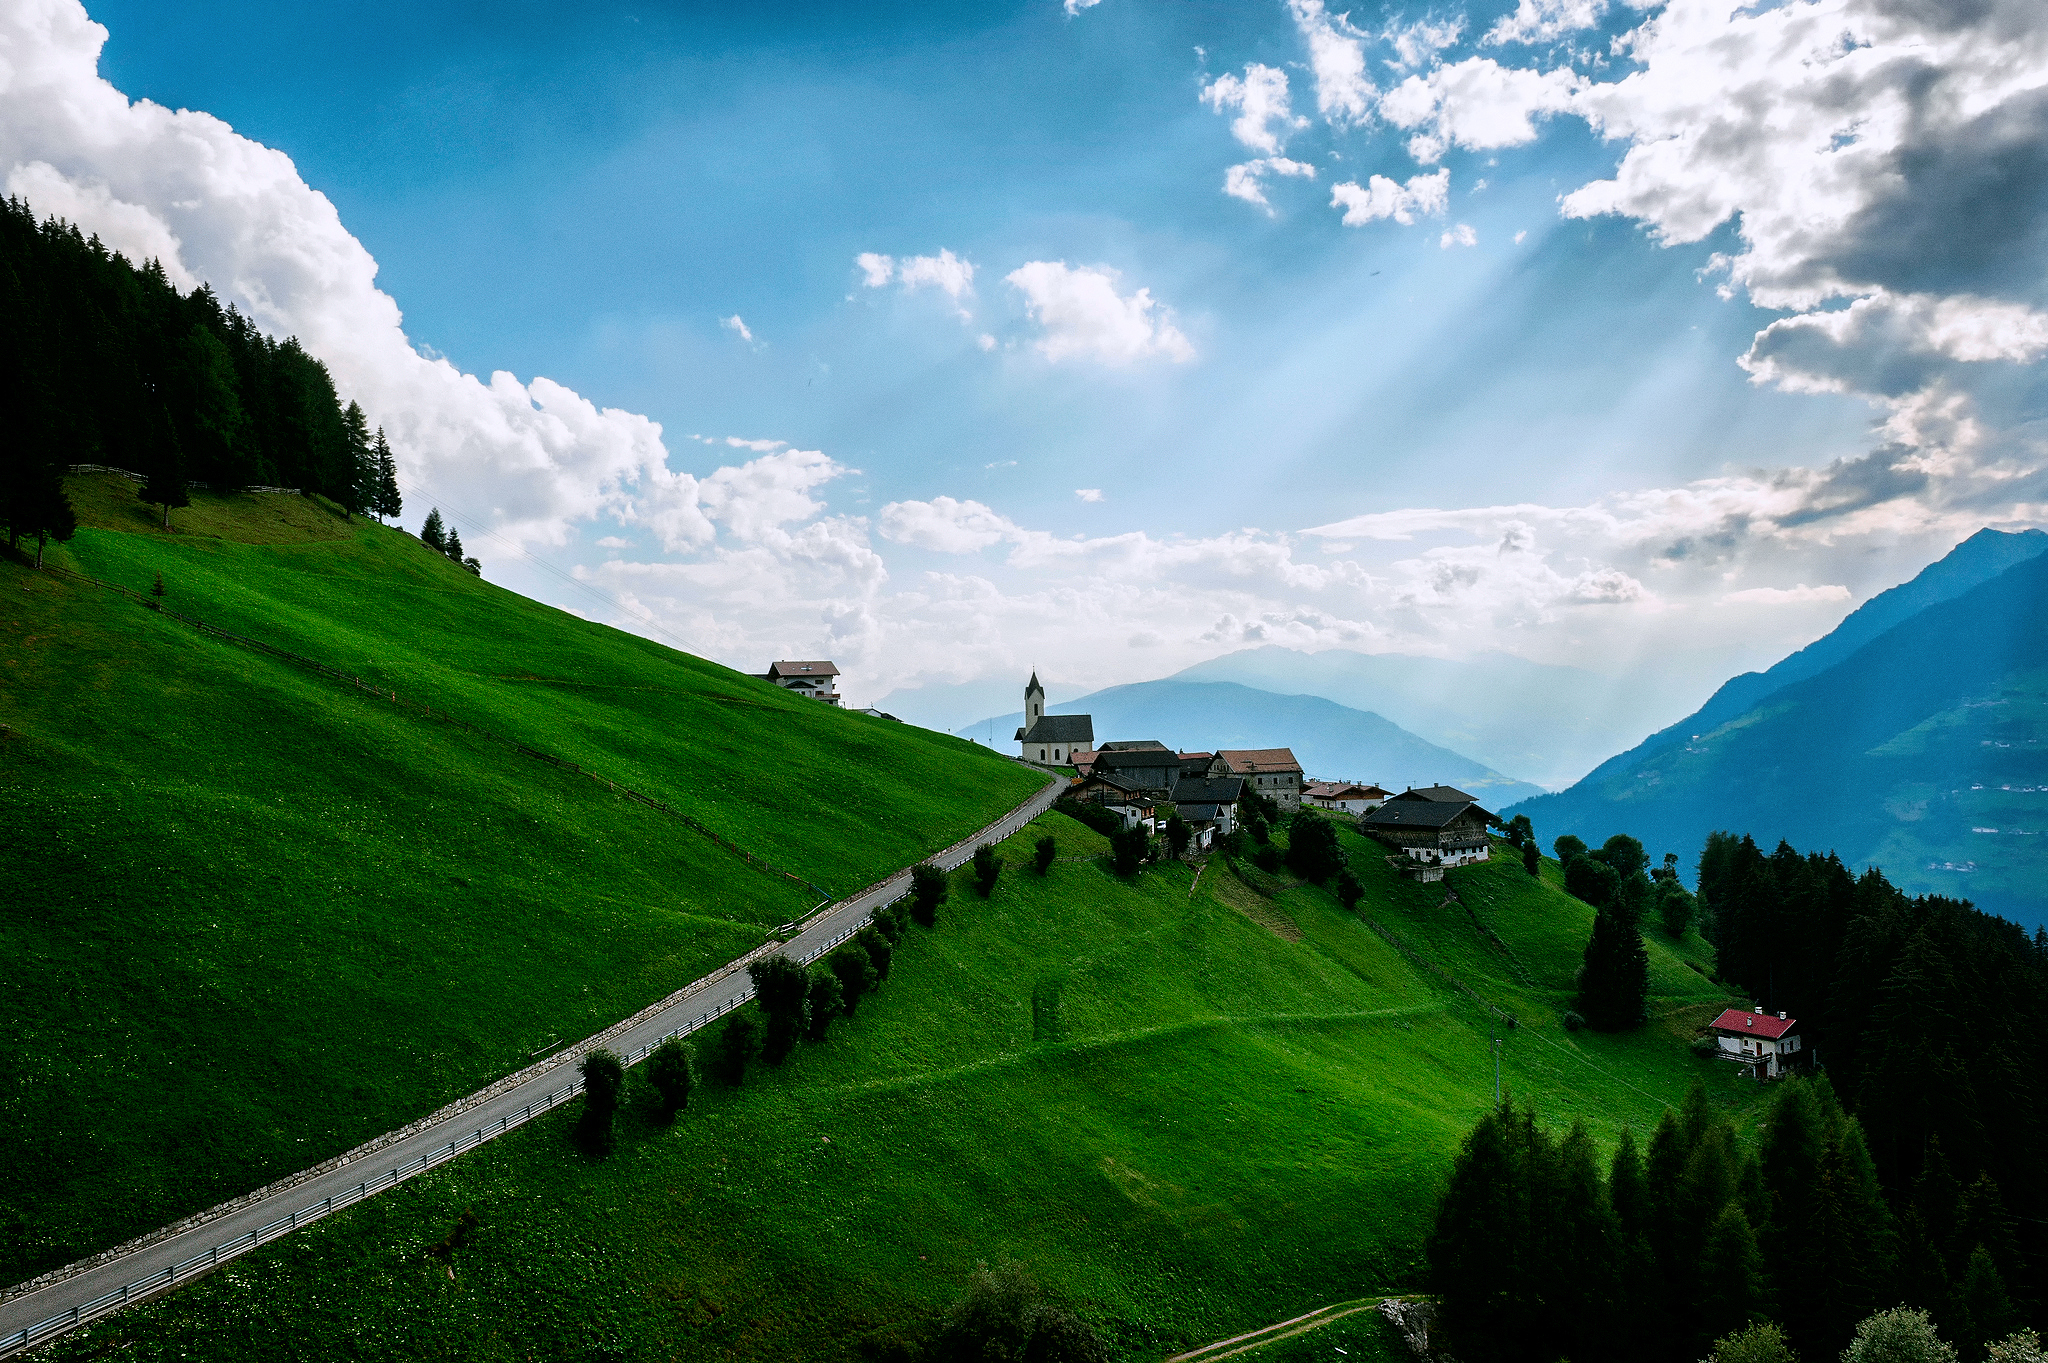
(604, 1079)
(357, 486)
(1731, 1276)
(432, 533)
(1615, 979)
(987, 866)
(927, 892)
(165, 483)
(389, 503)
(1043, 853)
(1532, 858)
(453, 547)
(878, 948)
(1471, 1247)
(738, 1042)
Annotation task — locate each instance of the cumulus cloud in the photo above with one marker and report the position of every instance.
(1260, 98)
(1336, 54)
(1074, 7)
(1246, 181)
(1082, 316)
(1418, 43)
(1477, 104)
(1461, 235)
(1544, 21)
(1384, 198)
(1088, 494)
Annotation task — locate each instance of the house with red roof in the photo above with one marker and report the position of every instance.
(1768, 1045)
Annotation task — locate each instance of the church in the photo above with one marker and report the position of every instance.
(1051, 740)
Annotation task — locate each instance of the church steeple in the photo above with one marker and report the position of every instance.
(1034, 701)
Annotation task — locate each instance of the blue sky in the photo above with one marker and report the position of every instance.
(1517, 418)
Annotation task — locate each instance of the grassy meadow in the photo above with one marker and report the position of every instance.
(254, 917)
(1192, 1108)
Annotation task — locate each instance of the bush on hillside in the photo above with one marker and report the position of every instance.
(1349, 891)
(1763, 1342)
(604, 1078)
(888, 922)
(880, 953)
(1566, 847)
(1091, 816)
(2022, 1347)
(1266, 858)
(987, 866)
(1532, 858)
(1261, 831)
(1178, 834)
(1572, 1021)
(1044, 853)
(1900, 1335)
(1593, 880)
(782, 989)
(827, 1000)
(1127, 850)
(1312, 849)
(1675, 908)
(855, 973)
(673, 1074)
(738, 1042)
(1005, 1316)
(927, 892)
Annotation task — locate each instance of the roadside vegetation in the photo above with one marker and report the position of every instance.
(259, 916)
(1183, 1115)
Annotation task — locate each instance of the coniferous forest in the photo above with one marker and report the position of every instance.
(105, 362)
(1907, 1171)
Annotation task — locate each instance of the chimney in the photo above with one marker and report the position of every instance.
(1759, 1009)
(1781, 1017)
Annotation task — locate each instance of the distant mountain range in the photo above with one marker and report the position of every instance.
(1329, 740)
(1914, 737)
(1549, 725)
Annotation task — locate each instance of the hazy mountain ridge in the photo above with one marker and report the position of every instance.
(1922, 747)
(1329, 740)
(1548, 724)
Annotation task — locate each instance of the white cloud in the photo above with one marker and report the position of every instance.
(945, 272)
(1088, 494)
(1520, 237)
(1336, 53)
(1260, 97)
(1246, 181)
(737, 327)
(985, 341)
(1477, 104)
(876, 269)
(1461, 235)
(740, 442)
(1544, 21)
(1800, 595)
(1074, 7)
(1083, 316)
(1417, 44)
(1384, 198)
(614, 542)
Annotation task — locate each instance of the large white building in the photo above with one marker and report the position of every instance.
(1764, 1043)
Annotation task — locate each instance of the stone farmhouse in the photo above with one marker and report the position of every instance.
(817, 679)
(1346, 797)
(1210, 800)
(1435, 828)
(1766, 1045)
(1051, 740)
(1272, 772)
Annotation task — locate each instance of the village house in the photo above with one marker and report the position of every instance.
(1764, 1043)
(1134, 807)
(1437, 828)
(1209, 802)
(1345, 797)
(1143, 764)
(817, 679)
(1051, 740)
(1272, 772)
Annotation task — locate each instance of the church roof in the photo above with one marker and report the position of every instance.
(1066, 729)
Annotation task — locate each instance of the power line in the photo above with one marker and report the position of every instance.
(421, 492)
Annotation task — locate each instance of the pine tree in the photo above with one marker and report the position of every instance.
(1615, 979)
(1730, 1276)
(927, 892)
(358, 487)
(1980, 1310)
(987, 866)
(1532, 858)
(1043, 853)
(389, 503)
(432, 533)
(453, 547)
(604, 1079)
(165, 485)
(876, 944)
(738, 1042)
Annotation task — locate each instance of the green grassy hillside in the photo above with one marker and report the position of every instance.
(254, 916)
(1193, 1110)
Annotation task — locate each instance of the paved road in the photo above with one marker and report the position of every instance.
(156, 1267)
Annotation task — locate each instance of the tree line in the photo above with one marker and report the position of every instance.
(105, 362)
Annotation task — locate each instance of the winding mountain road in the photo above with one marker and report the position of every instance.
(37, 1311)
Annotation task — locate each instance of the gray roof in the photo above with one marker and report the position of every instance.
(1116, 759)
(1399, 813)
(1449, 794)
(1063, 729)
(1135, 745)
(1213, 790)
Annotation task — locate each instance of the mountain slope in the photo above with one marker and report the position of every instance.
(1926, 748)
(1975, 561)
(1191, 1108)
(1546, 724)
(257, 915)
(1329, 740)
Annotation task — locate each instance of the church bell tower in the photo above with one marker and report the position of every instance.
(1034, 702)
